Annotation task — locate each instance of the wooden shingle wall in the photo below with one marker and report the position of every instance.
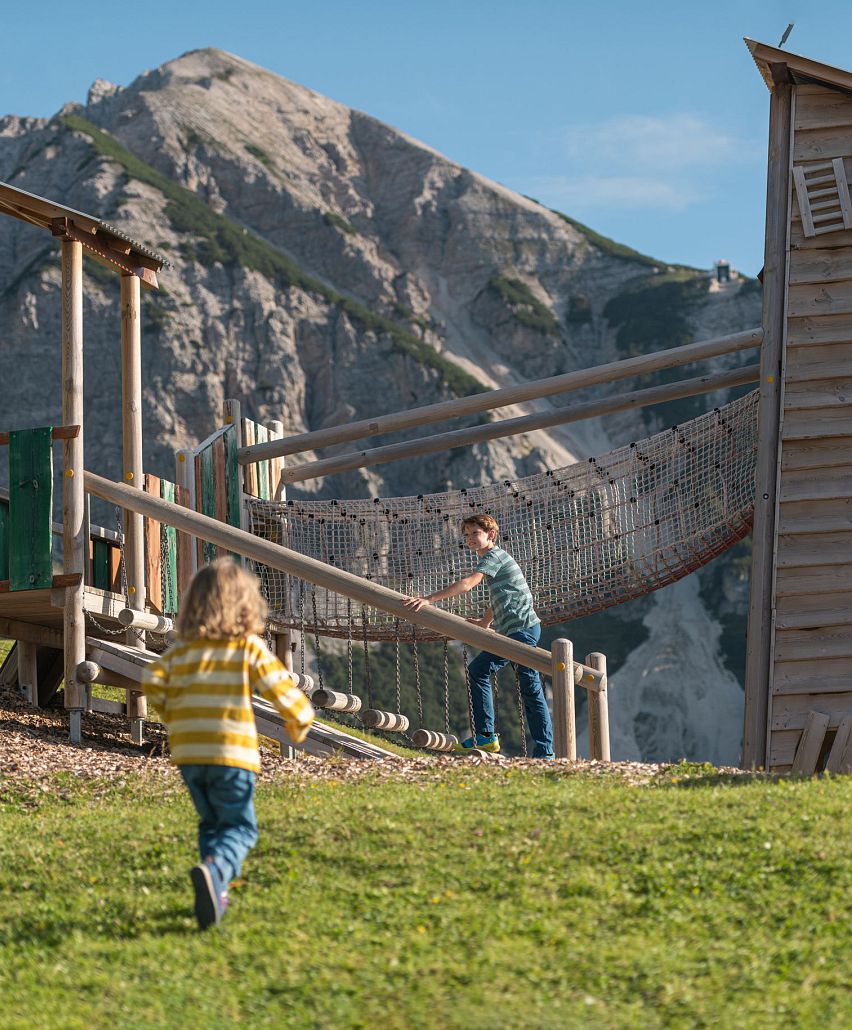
(812, 646)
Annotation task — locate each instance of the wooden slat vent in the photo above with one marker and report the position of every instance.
(823, 195)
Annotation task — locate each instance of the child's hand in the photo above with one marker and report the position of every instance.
(416, 603)
(483, 622)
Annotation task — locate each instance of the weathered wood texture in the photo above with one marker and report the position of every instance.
(31, 504)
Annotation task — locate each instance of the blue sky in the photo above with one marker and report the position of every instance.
(645, 120)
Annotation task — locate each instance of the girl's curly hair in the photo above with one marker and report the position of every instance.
(223, 602)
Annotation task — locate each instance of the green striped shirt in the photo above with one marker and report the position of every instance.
(511, 600)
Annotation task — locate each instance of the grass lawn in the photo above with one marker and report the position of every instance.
(447, 897)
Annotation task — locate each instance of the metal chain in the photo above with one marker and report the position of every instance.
(469, 695)
(316, 637)
(367, 659)
(417, 686)
(302, 627)
(447, 685)
(349, 671)
(495, 694)
(521, 710)
(398, 686)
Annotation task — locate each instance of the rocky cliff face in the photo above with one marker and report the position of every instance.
(326, 268)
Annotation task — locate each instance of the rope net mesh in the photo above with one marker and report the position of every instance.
(587, 536)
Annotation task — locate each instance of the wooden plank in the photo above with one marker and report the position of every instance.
(261, 435)
(824, 579)
(14, 629)
(840, 757)
(275, 431)
(800, 549)
(233, 477)
(823, 110)
(31, 509)
(207, 495)
(817, 424)
(4, 539)
(100, 704)
(806, 517)
(220, 484)
(831, 298)
(185, 545)
(807, 373)
(813, 611)
(818, 331)
(153, 551)
(812, 645)
(818, 393)
(102, 564)
(830, 452)
(817, 484)
(810, 745)
(799, 241)
(803, 202)
(825, 143)
(790, 712)
(170, 569)
(843, 191)
(833, 676)
(250, 480)
(782, 747)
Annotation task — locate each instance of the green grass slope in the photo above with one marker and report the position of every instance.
(438, 897)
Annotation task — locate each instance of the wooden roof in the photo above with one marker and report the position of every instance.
(104, 242)
(781, 66)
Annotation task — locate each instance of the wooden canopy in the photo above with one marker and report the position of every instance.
(777, 66)
(104, 242)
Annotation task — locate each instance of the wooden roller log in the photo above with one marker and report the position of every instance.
(377, 720)
(304, 683)
(332, 701)
(435, 741)
(88, 672)
(145, 620)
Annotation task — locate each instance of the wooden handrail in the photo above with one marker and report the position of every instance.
(345, 583)
(624, 369)
(524, 424)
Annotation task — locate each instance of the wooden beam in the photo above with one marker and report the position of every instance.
(126, 263)
(598, 713)
(515, 426)
(13, 629)
(345, 583)
(59, 433)
(759, 643)
(672, 358)
(28, 670)
(564, 722)
(75, 546)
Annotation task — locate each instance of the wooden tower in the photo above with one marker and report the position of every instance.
(799, 663)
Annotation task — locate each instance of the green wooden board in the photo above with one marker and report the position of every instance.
(208, 497)
(263, 477)
(30, 508)
(101, 564)
(233, 474)
(169, 540)
(4, 539)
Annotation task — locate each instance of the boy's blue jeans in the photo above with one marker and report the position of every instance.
(224, 799)
(535, 705)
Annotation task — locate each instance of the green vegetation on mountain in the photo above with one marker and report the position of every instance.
(337, 222)
(212, 238)
(526, 307)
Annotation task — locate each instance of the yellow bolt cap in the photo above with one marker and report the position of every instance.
(560, 666)
(69, 473)
(128, 476)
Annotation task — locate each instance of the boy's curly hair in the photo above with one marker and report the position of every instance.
(485, 522)
(223, 602)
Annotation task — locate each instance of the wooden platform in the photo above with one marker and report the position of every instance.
(24, 612)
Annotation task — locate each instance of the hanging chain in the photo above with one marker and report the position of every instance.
(447, 685)
(417, 686)
(349, 676)
(367, 658)
(469, 695)
(302, 627)
(521, 710)
(495, 694)
(316, 637)
(398, 687)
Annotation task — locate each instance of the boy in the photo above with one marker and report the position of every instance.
(513, 615)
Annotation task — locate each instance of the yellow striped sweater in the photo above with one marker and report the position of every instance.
(203, 690)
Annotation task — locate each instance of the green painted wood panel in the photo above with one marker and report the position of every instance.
(233, 475)
(30, 508)
(101, 564)
(169, 541)
(4, 539)
(208, 498)
(263, 477)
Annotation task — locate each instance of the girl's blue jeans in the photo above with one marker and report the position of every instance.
(532, 692)
(224, 799)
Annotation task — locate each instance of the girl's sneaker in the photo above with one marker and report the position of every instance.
(484, 742)
(209, 894)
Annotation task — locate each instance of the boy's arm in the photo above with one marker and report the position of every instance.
(272, 681)
(461, 586)
(486, 619)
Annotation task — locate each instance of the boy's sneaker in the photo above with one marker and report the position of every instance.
(209, 891)
(484, 742)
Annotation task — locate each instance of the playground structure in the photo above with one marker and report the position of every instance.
(587, 536)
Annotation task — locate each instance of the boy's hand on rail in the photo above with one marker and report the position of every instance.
(416, 603)
(484, 622)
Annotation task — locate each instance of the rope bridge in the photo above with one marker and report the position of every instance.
(587, 536)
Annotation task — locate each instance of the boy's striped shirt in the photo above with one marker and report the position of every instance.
(203, 691)
(511, 600)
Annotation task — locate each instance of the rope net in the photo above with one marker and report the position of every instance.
(588, 536)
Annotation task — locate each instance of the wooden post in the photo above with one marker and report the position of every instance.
(131, 427)
(28, 670)
(74, 543)
(564, 726)
(760, 616)
(284, 648)
(598, 713)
